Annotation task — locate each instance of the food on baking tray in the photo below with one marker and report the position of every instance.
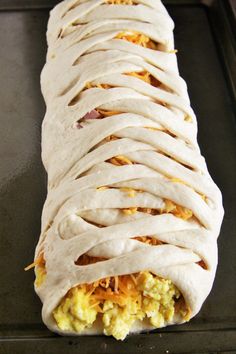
(131, 219)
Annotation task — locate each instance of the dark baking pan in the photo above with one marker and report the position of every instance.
(206, 54)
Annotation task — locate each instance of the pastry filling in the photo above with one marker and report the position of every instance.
(137, 38)
(119, 302)
(142, 75)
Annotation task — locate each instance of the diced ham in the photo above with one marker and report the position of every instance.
(92, 115)
(78, 125)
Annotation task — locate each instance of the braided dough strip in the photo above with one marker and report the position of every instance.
(82, 48)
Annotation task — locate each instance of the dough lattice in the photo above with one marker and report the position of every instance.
(151, 137)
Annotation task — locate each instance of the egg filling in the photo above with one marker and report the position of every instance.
(119, 302)
(40, 275)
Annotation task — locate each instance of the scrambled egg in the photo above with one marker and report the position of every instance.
(40, 270)
(159, 298)
(76, 311)
(40, 273)
(118, 320)
(155, 298)
(177, 210)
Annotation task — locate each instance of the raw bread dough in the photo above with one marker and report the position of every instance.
(82, 49)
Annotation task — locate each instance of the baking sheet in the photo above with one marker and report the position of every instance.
(204, 65)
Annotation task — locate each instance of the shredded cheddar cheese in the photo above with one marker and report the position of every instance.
(137, 38)
(38, 261)
(107, 113)
(85, 260)
(177, 210)
(117, 298)
(102, 188)
(109, 281)
(148, 240)
(111, 138)
(102, 86)
(114, 161)
(120, 160)
(144, 75)
(129, 211)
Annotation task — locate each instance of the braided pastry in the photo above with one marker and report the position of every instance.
(131, 219)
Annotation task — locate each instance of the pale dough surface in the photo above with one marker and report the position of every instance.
(82, 49)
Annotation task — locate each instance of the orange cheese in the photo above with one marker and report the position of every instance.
(137, 38)
(38, 261)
